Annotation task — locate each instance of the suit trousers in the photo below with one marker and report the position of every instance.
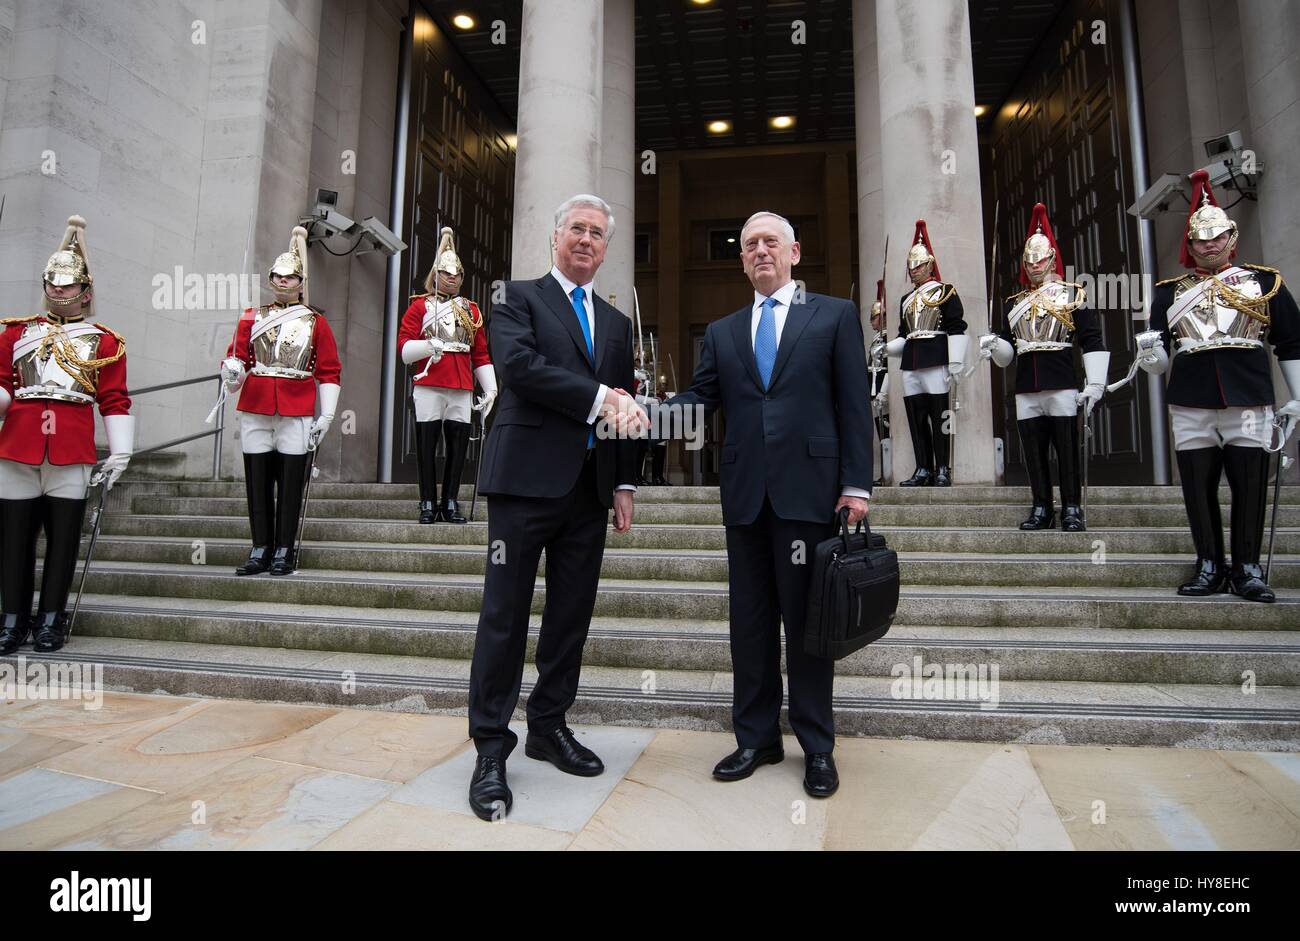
(770, 567)
(571, 529)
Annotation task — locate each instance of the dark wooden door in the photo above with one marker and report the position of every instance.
(1065, 142)
(460, 173)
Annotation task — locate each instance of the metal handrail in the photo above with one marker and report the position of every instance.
(216, 432)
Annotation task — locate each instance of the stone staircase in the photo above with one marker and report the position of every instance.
(1089, 641)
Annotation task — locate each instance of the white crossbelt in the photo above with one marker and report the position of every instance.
(289, 313)
(29, 343)
(1192, 297)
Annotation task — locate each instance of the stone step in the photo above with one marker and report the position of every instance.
(1008, 495)
(703, 565)
(882, 514)
(1182, 715)
(1037, 653)
(1171, 540)
(1013, 606)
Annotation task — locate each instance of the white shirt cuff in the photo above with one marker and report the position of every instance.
(595, 406)
(631, 487)
(855, 492)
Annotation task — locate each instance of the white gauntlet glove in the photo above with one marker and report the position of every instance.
(487, 380)
(329, 401)
(233, 374)
(5, 400)
(1095, 366)
(957, 345)
(413, 351)
(121, 444)
(895, 346)
(1291, 373)
(1151, 352)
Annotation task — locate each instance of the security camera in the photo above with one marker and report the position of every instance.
(1219, 147)
(1158, 197)
(375, 236)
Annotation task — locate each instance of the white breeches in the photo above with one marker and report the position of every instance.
(1059, 403)
(259, 434)
(434, 403)
(932, 380)
(29, 481)
(1220, 427)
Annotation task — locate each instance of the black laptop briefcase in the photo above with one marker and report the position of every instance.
(854, 592)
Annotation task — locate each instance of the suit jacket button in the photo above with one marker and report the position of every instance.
(767, 398)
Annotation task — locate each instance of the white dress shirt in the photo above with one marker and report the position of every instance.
(783, 297)
(588, 292)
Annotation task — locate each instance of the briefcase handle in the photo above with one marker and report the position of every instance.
(843, 517)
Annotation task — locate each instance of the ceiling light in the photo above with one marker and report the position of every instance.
(461, 21)
(782, 121)
(979, 111)
(719, 127)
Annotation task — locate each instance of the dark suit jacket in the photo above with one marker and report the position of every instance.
(809, 434)
(538, 438)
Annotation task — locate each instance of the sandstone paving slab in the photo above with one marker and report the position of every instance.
(670, 800)
(388, 746)
(390, 825)
(256, 803)
(544, 796)
(22, 750)
(1173, 799)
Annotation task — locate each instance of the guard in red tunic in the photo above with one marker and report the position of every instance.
(280, 353)
(54, 369)
(442, 334)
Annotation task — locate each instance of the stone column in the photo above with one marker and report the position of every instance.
(1268, 31)
(618, 150)
(561, 81)
(930, 169)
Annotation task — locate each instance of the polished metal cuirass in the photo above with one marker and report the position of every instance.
(38, 373)
(1038, 326)
(286, 349)
(877, 357)
(920, 320)
(449, 324)
(1212, 324)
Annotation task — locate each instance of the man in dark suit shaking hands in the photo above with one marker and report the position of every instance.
(789, 371)
(564, 357)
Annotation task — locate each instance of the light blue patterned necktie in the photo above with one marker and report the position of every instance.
(581, 311)
(765, 341)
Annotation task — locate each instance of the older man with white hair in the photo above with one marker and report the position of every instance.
(789, 371)
(565, 358)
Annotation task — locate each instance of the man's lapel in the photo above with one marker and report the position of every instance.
(562, 307)
(607, 321)
(796, 319)
(740, 326)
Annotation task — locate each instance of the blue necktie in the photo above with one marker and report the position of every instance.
(765, 341)
(581, 311)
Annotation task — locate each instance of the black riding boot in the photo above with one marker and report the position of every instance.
(942, 471)
(1036, 442)
(1247, 471)
(292, 479)
(1065, 437)
(918, 421)
(259, 484)
(456, 436)
(426, 447)
(658, 458)
(62, 519)
(1199, 469)
(20, 522)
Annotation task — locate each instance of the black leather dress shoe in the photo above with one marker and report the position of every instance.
(1072, 519)
(259, 561)
(284, 562)
(741, 763)
(449, 512)
(50, 631)
(1040, 517)
(489, 795)
(943, 476)
(1248, 582)
(14, 629)
(820, 779)
(561, 749)
(1210, 579)
(922, 478)
(427, 513)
